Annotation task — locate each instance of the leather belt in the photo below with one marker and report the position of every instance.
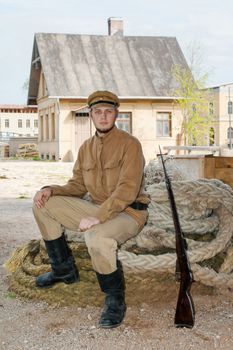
(139, 206)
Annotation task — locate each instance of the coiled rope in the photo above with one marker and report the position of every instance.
(204, 206)
(205, 209)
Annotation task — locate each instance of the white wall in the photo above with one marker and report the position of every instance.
(13, 123)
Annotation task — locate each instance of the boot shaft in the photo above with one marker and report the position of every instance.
(58, 250)
(62, 263)
(113, 283)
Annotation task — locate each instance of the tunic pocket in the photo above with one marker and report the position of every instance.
(111, 174)
(89, 175)
(88, 166)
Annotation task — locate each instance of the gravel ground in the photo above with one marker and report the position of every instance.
(36, 325)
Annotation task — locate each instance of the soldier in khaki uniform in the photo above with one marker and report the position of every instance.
(110, 168)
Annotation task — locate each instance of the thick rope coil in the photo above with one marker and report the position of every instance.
(205, 209)
(194, 199)
(161, 262)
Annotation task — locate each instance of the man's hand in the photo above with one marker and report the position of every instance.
(42, 196)
(88, 222)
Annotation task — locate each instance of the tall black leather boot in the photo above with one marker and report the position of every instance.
(113, 285)
(62, 263)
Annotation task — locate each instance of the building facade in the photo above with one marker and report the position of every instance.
(66, 68)
(220, 106)
(65, 124)
(18, 121)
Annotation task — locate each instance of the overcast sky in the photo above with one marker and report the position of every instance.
(208, 23)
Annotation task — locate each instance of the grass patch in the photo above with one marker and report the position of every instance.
(10, 295)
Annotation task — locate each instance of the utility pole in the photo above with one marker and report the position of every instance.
(229, 116)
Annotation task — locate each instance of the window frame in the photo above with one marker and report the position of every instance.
(211, 108)
(124, 120)
(7, 123)
(162, 122)
(20, 123)
(28, 123)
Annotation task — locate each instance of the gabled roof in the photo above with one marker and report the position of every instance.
(130, 66)
(220, 85)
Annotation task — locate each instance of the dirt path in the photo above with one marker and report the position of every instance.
(35, 325)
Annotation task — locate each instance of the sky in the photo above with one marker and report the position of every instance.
(204, 24)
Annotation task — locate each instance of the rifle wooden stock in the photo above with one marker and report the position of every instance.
(185, 313)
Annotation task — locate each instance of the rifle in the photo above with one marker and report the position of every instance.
(185, 313)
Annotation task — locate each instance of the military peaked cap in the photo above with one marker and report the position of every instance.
(107, 97)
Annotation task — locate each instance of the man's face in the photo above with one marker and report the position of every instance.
(104, 117)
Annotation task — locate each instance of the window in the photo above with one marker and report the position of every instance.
(211, 137)
(20, 123)
(164, 124)
(230, 133)
(124, 121)
(230, 136)
(35, 123)
(229, 107)
(7, 123)
(82, 114)
(28, 123)
(211, 108)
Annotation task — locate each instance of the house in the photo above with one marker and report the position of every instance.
(66, 68)
(220, 106)
(18, 120)
(18, 125)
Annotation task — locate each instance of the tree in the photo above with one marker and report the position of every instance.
(193, 100)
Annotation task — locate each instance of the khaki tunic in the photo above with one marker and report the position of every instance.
(111, 169)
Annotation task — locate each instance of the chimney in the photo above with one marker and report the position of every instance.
(115, 26)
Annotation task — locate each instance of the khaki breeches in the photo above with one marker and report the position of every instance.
(102, 240)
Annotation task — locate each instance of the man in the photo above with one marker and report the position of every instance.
(110, 168)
